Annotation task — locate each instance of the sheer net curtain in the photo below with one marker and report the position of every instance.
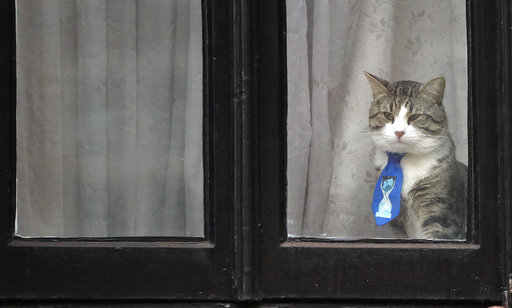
(330, 170)
(109, 118)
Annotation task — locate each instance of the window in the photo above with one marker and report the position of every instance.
(333, 149)
(369, 268)
(109, 119)
(246, 256)
(127, 265)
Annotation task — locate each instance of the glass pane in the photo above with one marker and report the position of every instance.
(342, 122)
(109, 118)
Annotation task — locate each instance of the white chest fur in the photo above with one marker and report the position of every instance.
(415, 168)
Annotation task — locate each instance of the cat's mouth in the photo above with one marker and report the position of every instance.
(402, 144)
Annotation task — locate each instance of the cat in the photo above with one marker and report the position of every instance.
(408, 117)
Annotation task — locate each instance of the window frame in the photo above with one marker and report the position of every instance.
(351, 269)
(128, 267)
(245, 256)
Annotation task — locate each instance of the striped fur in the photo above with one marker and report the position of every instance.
(434, 187)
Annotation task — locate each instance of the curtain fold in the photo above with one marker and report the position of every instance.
(193, 157)
(109, 120)
(319, 168)
(299, 117)
(330, 170)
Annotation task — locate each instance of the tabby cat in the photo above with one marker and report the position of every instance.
(408, 117)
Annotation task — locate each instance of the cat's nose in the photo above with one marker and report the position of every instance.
(399, 134)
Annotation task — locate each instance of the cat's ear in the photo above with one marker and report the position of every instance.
(433, 89)
(379, 85)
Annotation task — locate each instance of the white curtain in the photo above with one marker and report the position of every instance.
(330, 170)
(109, 118)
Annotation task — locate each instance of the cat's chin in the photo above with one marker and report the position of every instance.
(406, 150)
(409, 144)
(402, 148)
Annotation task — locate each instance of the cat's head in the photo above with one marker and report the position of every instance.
(408, 116)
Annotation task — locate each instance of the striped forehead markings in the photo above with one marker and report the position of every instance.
(400, 102)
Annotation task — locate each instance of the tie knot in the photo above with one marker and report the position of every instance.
(394, 158)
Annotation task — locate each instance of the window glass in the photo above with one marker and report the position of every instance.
(109, 118)
(367, 78)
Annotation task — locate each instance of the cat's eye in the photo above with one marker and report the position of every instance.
(389, 116)
(413, 118)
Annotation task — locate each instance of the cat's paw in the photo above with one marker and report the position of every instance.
(381, 159)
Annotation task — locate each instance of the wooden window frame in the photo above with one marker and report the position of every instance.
(128, 268)
(416, 270)
(246, 257)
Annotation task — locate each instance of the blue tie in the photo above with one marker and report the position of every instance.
(386, 197)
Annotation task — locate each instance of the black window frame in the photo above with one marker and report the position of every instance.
(138, 267)
(352, 269)
(245, 258)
